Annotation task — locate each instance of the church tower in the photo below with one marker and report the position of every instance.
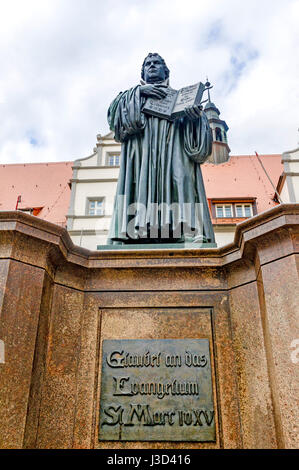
(221, 150)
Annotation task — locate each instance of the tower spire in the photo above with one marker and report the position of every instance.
(208, 87)
(220, 150)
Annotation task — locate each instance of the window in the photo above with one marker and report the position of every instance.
(224, 210)
(113, 159)
(218, 134)
(96, 207)
(243, 210)
(219, 211)
(239, 211)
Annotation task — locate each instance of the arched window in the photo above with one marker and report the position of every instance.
(218, 134)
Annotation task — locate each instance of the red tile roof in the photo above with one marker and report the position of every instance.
(39, 185)
(46, 184)
(244, 177)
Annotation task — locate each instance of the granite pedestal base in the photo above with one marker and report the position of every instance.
(58, 302)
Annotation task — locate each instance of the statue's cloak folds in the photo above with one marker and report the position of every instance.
(159, 169)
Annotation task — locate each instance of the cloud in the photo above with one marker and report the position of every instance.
(63, 61)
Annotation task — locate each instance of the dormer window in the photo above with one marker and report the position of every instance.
(31, 210)
(243, 210)
(224, 210)
(237, 209)
(28, 210)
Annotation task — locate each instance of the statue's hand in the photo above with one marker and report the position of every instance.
(193, 112)
(153, 91)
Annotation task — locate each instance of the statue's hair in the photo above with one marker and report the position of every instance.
(163, 62)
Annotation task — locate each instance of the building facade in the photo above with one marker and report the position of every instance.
(93, 186)
(237, 187)
(79, 195)
(288, 184)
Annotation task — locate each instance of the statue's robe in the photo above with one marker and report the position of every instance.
(159, 169)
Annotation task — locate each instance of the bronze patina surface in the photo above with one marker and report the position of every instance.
(160, 195)
(156, 390)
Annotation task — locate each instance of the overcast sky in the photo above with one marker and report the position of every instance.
(63, 62)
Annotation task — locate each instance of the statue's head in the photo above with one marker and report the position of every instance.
(154, 69)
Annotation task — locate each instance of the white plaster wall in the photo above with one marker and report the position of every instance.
(294, 166)
(284, 194)
(294, 182)
(296, 186)
(111, 146)
(224, 237)
(92, 223)
(91, 161)
(106, 190)
(89, 241)
(291, 166)
(97, 173)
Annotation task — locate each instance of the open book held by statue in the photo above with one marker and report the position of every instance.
(173, 105)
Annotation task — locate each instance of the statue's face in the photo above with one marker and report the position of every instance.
(154, 70)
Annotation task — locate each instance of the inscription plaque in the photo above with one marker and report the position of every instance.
(156, 390)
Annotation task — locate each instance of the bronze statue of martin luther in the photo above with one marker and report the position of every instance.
(160, 195)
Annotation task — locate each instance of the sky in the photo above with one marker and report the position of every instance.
(64, 61)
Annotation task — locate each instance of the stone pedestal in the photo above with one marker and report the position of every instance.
(59, 302)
